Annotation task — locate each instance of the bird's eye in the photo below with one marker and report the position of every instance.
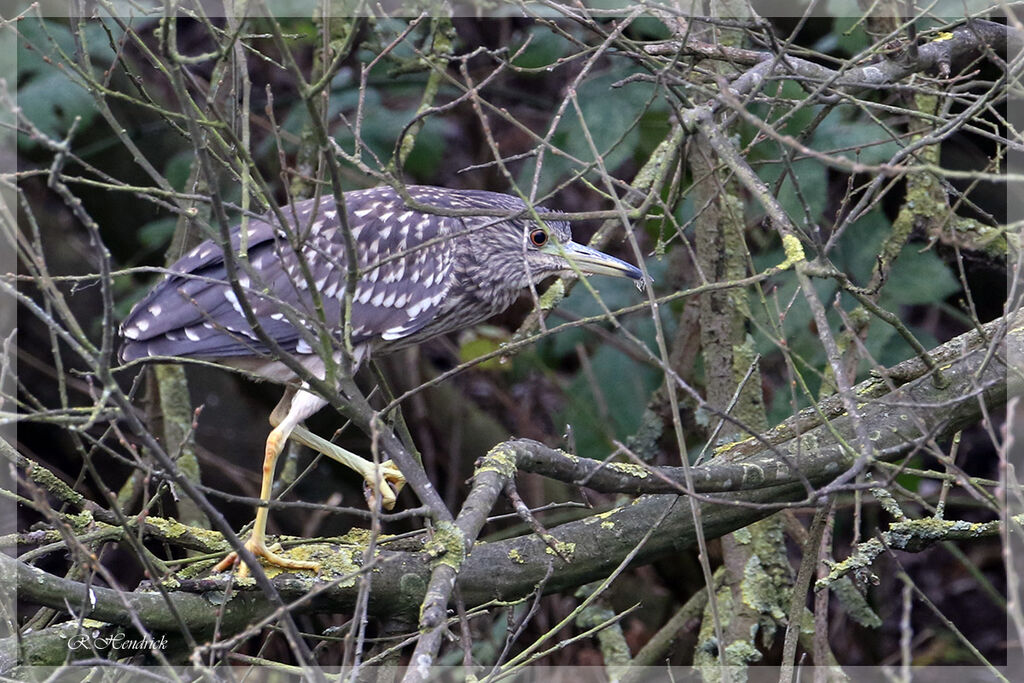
(538, 238)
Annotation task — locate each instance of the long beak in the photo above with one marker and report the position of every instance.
(593, 262)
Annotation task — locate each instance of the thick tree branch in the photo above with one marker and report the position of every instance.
(978, 382)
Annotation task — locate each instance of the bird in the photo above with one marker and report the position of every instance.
(421, 273)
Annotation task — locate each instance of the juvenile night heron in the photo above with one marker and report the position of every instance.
(419, 275)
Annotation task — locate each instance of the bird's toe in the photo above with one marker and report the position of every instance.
(270, 556)
(387, 484)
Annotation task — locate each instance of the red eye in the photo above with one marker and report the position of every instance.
(538, 238)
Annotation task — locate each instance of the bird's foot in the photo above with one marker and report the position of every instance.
(384, 481)
(260, 549)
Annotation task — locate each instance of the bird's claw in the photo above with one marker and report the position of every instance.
(387, 483)
(270, 556)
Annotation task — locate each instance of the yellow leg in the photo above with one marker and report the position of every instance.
(383, 481)
(257, 543)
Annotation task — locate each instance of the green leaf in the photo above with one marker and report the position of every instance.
(918, 277)
(52, 102)
(615, 293)
(428, 153)
(178, 168)
(858, 249)
(794, 124)
(156, 234)
(812, 185)
(847, 35)
(46, 40)
(860, 139)
(624, 387)
(46, 94)
(610, 116)
(545, 48)
(481, 341)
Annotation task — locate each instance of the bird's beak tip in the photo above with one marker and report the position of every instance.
(593, 262)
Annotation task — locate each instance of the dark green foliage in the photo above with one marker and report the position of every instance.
(53, 98)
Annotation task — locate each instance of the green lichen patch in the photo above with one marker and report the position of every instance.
(760, 592)
(448, 546)
(51, 482)
(742, 536)
(741, 652)
(171, 583)
(173, 529)
(732, 445)
(861, 558)
(565, 549)
(412, 585)
(606, 518)
(81, 522)
(635, 471)
(553, 296)
(500, 459)
(358, 537)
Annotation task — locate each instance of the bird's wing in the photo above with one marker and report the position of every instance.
(194, 311)
(406, 271)
(407, 261)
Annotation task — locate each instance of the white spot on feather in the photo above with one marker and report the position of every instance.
(233, 300)
(418, 308)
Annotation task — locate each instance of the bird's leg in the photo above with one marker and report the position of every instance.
(299, 406)
(384, 480)
(280, 411)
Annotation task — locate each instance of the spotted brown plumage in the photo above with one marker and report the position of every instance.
(420, 274)
(406, 259)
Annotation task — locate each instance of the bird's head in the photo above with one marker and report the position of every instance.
(549, 249)
(513, 254)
